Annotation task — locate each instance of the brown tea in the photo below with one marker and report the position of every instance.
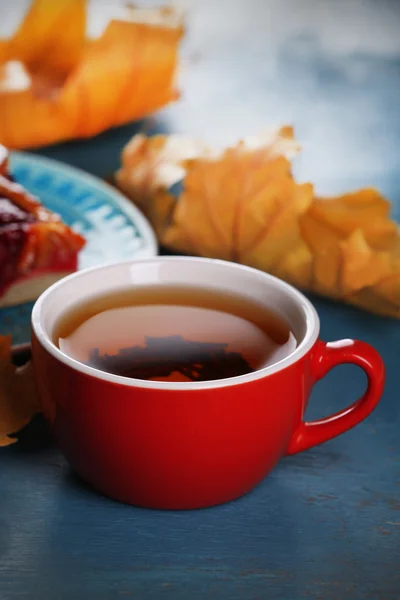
(165, 333)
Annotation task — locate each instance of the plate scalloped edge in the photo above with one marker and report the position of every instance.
(113, 227)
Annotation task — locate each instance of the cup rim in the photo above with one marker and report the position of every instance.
(311, 336)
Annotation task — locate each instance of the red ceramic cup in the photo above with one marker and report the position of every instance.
(189, 445)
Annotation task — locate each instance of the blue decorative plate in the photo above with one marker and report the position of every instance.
(113, 227)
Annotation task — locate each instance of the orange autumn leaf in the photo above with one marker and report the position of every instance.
(150, 167)
(244, 208)
(229, 214)
(243, 204)
(363, 267)
(297, 267)
(50, 40)
(365, 209)
(55, 84)
(325, 250)
(355, 248)
(18, 397)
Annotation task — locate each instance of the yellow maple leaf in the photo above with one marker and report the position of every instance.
(243, 204)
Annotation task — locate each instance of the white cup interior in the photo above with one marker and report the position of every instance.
(269, 291)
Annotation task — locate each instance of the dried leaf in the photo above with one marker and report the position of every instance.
(233, 201)
(297, 267)
(354, 245)
(323, 244)
(18, 396)
(155, 163)
(244, 207)
(365, 209)
(56, 85)
(362, 266)
(242, 204)
(51, 38)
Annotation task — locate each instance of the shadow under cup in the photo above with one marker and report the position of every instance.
(187, 445)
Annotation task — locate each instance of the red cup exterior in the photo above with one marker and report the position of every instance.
(192, 448)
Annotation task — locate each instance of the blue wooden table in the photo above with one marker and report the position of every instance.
(326, 523)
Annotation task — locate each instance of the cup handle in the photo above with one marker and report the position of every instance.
(324, 358)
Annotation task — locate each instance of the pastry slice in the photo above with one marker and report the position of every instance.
(36, 247)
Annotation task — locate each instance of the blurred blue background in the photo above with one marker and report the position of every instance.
(330, 67)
